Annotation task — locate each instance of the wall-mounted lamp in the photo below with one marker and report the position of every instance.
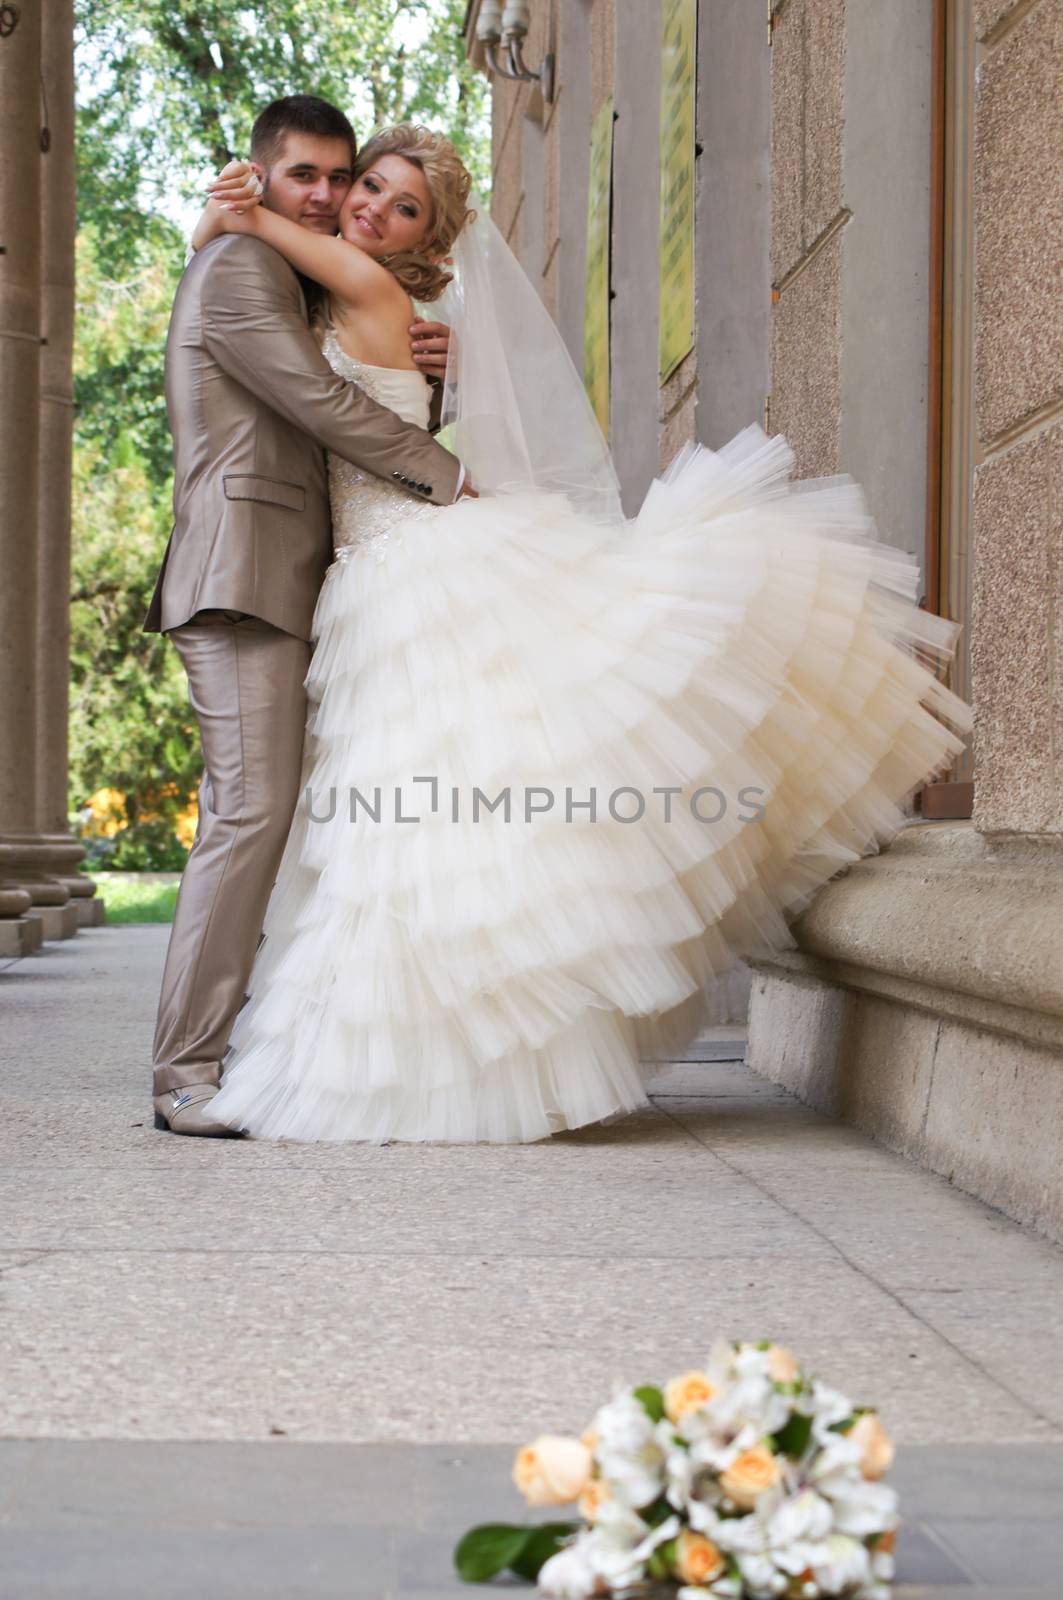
(502, 32)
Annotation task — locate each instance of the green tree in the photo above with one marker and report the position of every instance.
(166, 90)
(132, 730)
(171, 87)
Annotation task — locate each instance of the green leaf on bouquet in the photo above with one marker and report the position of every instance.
(541, 1543)
(662, 1560)
(487, 1550)
(792, 1439)
(849, 1421)
(652, 1401)
(656, 1512)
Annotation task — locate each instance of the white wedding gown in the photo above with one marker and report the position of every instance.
(457, 980)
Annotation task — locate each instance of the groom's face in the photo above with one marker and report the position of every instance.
(308, 179)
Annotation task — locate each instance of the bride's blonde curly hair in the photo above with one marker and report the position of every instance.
(421, 272)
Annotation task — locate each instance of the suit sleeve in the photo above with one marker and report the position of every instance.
(253, 326)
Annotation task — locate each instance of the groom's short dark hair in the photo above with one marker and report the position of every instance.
(297, 113)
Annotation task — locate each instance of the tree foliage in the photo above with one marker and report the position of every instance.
(171, 87)
(166, 90)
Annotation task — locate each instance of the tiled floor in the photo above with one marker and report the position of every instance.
(107, 1521)
(235, 1368)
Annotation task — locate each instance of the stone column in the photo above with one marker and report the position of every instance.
(58, 227)
(733, 244)
(636, 249)
(25, 871)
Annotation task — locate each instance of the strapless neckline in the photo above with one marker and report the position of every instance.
(401, 389)
(333, 348)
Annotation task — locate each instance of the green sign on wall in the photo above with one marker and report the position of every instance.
(678, 105)
(596, 296)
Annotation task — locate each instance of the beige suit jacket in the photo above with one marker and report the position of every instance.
(251, 401)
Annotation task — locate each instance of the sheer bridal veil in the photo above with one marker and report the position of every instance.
(514, 407)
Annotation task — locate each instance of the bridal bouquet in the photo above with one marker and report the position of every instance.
(743, 1480)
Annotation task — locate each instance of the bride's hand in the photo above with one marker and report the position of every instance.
(237, 188)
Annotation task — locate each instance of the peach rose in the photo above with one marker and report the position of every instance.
(688, 1392)
(749, 1475)
(697, 1559)
(589, 1437)
(783, 1365)
(595, 1494)
(876, 1446)
(552, 1470)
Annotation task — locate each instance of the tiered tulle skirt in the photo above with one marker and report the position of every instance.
(742, 682)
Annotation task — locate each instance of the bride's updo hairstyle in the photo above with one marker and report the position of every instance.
(421, 274)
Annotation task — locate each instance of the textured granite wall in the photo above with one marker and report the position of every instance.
(1017, 631)
(808, 79)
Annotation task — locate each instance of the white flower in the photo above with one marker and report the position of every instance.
(841, 1563)
(703, 1518)
(719, 1365)
(624, 1424)
(569, 1575)
(679, 1471)
(837, 1462)
(761, 1576)
(780, 1539)
(860, 1507)
(804, 1516)
(613, 1557)
(629, 1451)
(618, 1522)
(746, 1395)
(828, 1407)
(720, 1589)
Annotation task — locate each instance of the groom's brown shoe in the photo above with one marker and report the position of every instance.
(182, 1111)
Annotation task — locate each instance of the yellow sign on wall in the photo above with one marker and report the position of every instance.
(679, 35)
(596, 296)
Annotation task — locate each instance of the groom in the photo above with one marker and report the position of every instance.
(252, 404)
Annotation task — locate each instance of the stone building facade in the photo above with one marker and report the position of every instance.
(42, 895)
(878, 231)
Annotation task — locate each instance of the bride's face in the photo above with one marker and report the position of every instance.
(388, 208)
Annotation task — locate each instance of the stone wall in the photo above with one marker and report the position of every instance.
(612, 47)
(1017, 626)
(924, 1001)
(850, 217)
(924, 998)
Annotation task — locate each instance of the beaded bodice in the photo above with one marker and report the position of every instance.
(366, 508)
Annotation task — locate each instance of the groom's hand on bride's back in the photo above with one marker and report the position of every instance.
(430, 345)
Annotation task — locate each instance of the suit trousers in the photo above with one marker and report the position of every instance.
(245, 680)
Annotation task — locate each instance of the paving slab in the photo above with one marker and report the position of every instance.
(236, 1367)
(97, 1519)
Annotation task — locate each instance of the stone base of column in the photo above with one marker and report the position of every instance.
(19, 936)
(58, 922)
(91, 913)
(20, 933)
(32, 863)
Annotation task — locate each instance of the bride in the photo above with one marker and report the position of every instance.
(561, 769)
